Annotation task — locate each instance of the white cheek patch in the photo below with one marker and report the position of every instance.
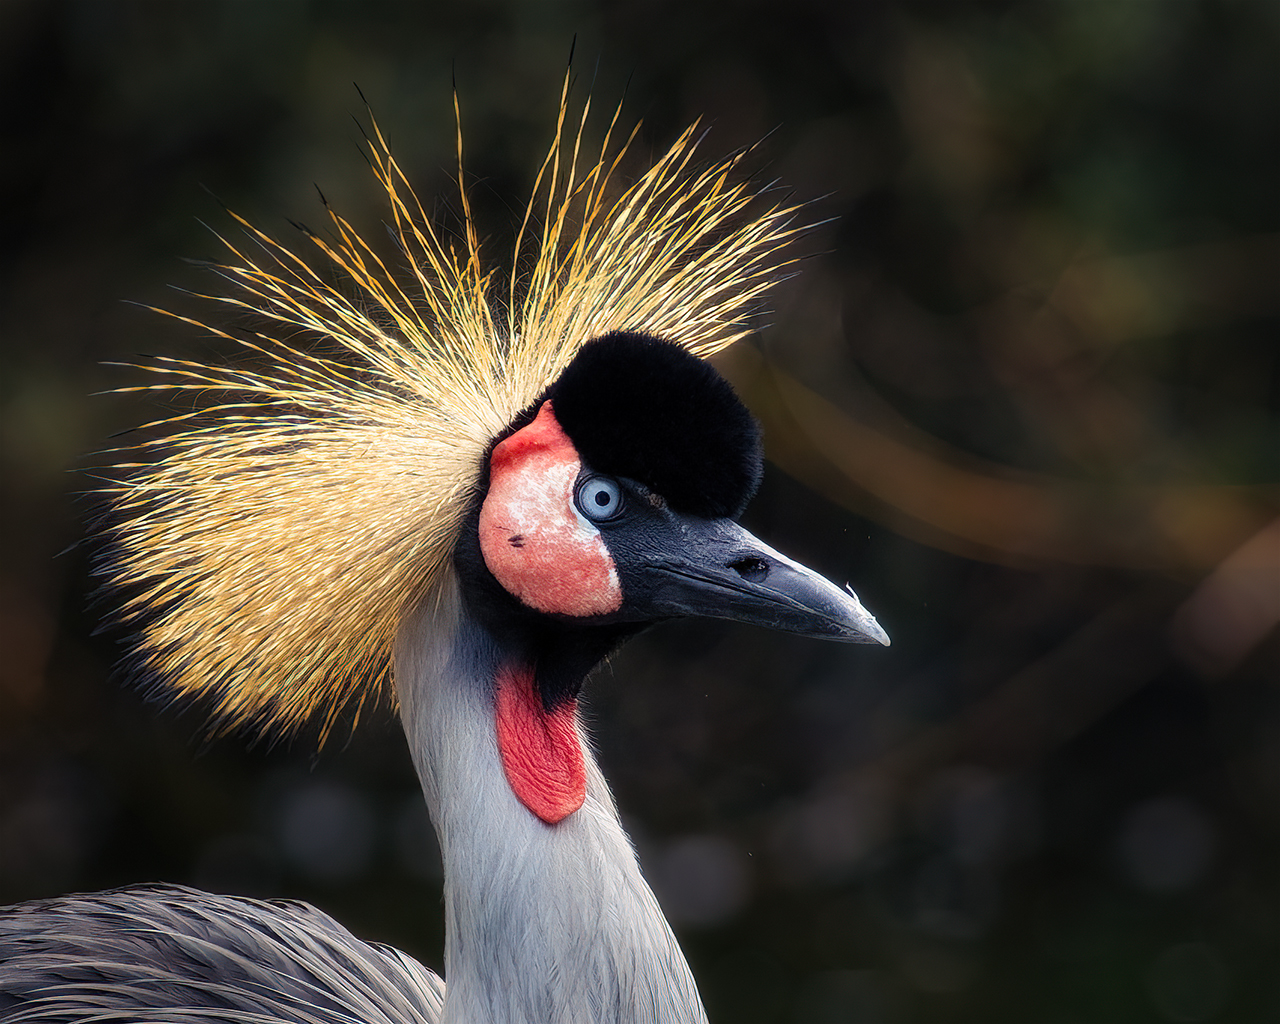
(539, 505)
(532, 537)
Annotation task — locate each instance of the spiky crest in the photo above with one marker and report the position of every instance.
(276, 539)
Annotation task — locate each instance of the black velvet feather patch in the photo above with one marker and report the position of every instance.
(641, 407)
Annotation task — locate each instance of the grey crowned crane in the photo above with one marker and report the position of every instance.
(470, 497)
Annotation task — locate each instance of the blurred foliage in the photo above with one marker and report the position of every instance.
(1025, 395)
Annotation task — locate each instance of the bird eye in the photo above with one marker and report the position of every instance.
(599, 498)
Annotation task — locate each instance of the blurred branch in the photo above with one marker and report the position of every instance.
(1120, 298)
(960, 504)
(1234, 609)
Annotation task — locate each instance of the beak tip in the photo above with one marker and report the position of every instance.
(872, 630)
(867, 625)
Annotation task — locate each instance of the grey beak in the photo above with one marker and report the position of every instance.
(719, 570)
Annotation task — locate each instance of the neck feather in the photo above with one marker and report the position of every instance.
(545, 924)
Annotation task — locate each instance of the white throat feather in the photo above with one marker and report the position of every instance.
(545, 924)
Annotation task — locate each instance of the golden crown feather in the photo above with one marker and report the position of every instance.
(273, 542)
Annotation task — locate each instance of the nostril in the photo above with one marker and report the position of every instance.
(751, 569)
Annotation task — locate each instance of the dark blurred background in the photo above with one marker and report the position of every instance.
(1024, 395)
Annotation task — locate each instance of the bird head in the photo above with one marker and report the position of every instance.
(612, 501)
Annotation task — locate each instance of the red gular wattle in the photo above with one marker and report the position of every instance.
(533, 540)
(540, 750)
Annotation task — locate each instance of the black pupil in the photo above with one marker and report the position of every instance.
(602, 498)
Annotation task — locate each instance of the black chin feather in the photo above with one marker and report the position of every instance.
(640, 407)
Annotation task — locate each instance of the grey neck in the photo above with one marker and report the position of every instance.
(545, 924)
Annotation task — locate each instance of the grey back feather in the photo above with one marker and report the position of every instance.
(168, 953)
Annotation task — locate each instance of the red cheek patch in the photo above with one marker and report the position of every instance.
(541, 755)
(532, 538)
